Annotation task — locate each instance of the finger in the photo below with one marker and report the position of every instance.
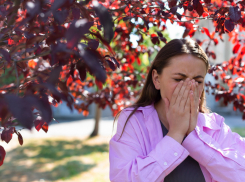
(181, 92)
(196, 94)
(188, 102)
(192, 102)
(176, 92)
(185, 96)
(196, 100)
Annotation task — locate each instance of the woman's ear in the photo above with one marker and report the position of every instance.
(155, 79)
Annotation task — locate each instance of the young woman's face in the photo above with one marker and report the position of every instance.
(180, 68)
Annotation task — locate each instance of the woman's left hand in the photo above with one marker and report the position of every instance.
(194, 107)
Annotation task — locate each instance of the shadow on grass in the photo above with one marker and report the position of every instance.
(32, 161)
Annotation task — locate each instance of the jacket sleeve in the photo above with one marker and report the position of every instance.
(129, 162)
(222, 154)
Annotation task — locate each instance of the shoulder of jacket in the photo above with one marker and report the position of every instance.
(146, 110)
(211, 120)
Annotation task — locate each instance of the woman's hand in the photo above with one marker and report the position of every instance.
(178, 111)
(194, 99)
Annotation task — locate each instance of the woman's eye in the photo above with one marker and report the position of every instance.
(178, 80)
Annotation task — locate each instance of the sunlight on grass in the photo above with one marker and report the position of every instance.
(58, 160)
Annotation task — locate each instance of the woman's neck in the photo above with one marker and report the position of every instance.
(160, 108)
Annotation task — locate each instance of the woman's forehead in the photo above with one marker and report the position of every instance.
(186, 64)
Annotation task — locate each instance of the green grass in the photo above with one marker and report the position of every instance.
(240, 131)
(55, 160)
(61, 160)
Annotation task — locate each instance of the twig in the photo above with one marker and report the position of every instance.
(17, 77)
(34, 57)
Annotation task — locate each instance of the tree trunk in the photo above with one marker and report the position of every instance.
(97, 119)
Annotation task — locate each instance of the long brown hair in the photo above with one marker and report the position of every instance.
(175, 47)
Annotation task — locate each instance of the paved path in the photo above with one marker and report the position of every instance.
(72, 128)
(83, 128)
(80, 128)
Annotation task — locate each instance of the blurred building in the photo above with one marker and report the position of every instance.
(223, 51)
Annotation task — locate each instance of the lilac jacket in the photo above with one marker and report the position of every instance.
(143, 154)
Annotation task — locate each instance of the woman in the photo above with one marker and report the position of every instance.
(169, 134)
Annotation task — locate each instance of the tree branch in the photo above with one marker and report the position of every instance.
(17, 78)
(34, 57)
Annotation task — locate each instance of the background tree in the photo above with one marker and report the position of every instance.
(58, 48)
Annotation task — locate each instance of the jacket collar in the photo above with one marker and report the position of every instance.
(152, 123)
(146, 110)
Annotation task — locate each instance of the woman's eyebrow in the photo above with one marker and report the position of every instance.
(199, 76)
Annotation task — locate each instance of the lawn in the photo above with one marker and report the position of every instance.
(240, 131)
(60, 159)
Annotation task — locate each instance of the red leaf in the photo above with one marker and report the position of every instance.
(206, 31)
(172, 3)
(20, 138)
(174, 9)
(105, 20)
(236, 48)
(45, 127)
(138, 60)
(111, 64)
(234, 13)
(163, 39)
(217, 97)
(186, 32)
(5, 54)
(195, 4)
(20, 109)
(213, 55)
(85, 113)
(38, 124)
(7, 134)
(159, 34)
(154, 39)
(76, 31)
(212, 35)
(216, 41)
(229, 25)
(207, 1)
(2, 155)
(99, 84)
(92, 60)
(192, 32)
(242, 51)
(81, 67)
(153, 35)
(204, 14)
(199, 9)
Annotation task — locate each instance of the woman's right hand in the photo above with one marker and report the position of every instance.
(178, 110)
